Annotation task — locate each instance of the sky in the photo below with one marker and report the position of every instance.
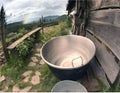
(28, 10)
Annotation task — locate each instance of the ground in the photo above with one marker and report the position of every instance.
(36, 78)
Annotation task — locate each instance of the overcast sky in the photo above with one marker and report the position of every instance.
(17, 10)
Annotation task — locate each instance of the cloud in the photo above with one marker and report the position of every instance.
(20, 8)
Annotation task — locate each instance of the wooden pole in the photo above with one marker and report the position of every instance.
(2, 30)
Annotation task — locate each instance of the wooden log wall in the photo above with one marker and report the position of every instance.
(103, 28)
(102, 4)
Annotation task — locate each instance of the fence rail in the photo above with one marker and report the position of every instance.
(14, 44)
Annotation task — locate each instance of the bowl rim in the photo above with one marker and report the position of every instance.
(68, 68)
(68, 81)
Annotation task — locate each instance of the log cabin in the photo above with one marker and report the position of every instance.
(99, 20)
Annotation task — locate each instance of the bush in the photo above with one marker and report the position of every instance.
(23, 49)
(21, 32)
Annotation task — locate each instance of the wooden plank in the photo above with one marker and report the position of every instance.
(109, 35)
(110, 16)
(97, 4)
(14, 44)
(110, 3)
(106, 60)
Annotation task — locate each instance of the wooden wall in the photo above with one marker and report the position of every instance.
(104, 30)
(97, 4)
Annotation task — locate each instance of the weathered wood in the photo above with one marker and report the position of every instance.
(14, 44)
(97, 4)
(109, 35)
(110, 16)
(79, 13)
(106, 60)
(2, 32)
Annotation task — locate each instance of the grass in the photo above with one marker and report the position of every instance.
(24, 84)
(48, 80)
(14, 69)
(58, 30)
(102, 85)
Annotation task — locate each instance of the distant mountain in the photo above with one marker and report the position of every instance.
(51, 17)
(36, 19)
(61, 18)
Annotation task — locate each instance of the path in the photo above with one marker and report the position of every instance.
(31, 77)
(37, 77)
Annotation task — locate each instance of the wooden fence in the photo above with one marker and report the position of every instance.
(14, 44)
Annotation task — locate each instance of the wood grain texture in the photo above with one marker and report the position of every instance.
(106, 60)
(110, 16)
(97, 4)
(109, 34)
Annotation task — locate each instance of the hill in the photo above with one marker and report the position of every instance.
(61, 18)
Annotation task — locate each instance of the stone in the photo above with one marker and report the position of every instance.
(26, 79)
(37, 54)
(1, 54)
(35, 80)
(27, 73)
(27, 89)
(34, 59)
(15, 88)
(5, 89)
(38, 45)
(42, 62)
(37, 49)
(32, 64)
(2, 78)
(37, 73)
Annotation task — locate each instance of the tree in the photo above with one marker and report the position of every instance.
(2, 31)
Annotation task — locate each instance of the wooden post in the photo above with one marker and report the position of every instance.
(80, 16)
(2, 30)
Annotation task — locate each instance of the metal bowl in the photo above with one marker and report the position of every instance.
(68, 55)
(68, 86)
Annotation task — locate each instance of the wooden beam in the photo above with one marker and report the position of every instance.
(14, 44)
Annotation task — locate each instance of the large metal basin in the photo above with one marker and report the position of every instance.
(68, 56)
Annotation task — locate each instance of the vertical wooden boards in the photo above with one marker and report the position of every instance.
(106, 60)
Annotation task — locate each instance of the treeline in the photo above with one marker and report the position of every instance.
(15, 27)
